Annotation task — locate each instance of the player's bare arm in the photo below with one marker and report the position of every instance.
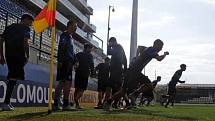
(26, 46)
(161, 57)
(2, 60)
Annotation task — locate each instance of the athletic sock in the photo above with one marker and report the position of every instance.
(127, 102)
(65, 102)
(109, 101)
(10, 86)
(76, 102)
(99, 103)
(56, 102)
(167, 103)
(71, 104)
(115, 104)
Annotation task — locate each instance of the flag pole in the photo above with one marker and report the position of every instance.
(51, 64)
(134, 23)
(51, 69)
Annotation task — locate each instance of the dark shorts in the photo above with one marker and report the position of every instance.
(171, 90)
(133, 80)
(148, 94)
(116, 78)
(81, 79)
(102, 84)
(16, 68)
(116, 87)
(64, 72)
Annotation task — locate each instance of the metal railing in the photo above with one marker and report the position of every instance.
(195, 94)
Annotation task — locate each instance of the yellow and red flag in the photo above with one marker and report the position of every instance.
(46, 18)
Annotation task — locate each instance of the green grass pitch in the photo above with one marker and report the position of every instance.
(152, 113)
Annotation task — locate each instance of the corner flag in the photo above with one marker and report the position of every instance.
(46, 17)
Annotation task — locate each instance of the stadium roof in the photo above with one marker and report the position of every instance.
(196, 86)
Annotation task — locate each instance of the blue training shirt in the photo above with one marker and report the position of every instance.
(143, 59)
(66, 48)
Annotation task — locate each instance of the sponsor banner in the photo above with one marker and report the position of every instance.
(31, 93)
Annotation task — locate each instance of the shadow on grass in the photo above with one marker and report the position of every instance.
(160, 114)
(28, 116)
(114, 112)
(176, 117)
(150, 113)
(131, 111)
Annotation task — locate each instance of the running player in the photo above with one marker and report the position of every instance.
(148, 95)
(103, 70)
(172, 85)
(134, 72)
(84, 69)
(118, 65)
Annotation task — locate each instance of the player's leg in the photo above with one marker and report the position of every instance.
(66, 93)
(80, 86)
(57, 95)
(15, 72)
(100, 93)
(173, 98)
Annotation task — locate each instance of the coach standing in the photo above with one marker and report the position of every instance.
(16, 37)
(66, 59)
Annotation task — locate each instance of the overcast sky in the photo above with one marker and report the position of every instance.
(187, 28)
